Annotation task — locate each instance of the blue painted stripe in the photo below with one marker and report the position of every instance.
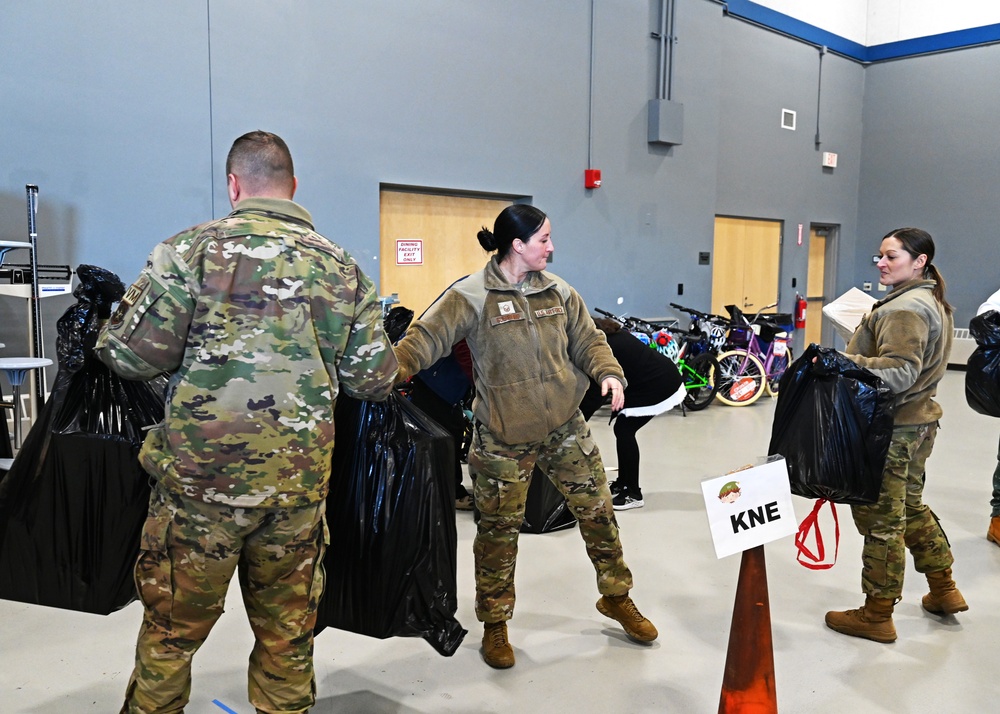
(780, 22)
(223, 707)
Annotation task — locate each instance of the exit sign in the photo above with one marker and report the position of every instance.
(410, 252)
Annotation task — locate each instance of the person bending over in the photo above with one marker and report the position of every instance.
(654, 386)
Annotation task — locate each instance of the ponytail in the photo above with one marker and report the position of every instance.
(934, 274)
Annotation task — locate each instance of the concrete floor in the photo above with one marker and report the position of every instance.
(572, 659)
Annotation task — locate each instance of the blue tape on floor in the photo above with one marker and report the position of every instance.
(223, 707)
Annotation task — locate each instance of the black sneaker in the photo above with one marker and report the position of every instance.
(623, 501)
(615, 488)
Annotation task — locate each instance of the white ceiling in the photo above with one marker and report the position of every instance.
(876, 22)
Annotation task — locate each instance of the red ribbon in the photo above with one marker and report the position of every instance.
(811, 523)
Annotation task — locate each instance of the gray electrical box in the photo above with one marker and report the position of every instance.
(666, 122)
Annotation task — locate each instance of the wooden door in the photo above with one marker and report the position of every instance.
(446, 227)
(815, 280)
(746, 266)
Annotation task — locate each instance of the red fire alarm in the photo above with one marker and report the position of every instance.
(592, 178)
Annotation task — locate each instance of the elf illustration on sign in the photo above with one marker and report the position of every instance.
(730, 492)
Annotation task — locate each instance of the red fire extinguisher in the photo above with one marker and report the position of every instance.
(800, 312)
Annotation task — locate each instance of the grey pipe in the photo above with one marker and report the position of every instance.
(819, 91)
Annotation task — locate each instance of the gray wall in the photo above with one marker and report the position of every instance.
(931, 161)
(123, 112)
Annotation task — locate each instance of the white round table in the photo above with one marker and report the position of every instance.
(17, 369)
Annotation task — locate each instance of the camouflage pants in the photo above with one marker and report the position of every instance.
(501, 475)
(190, 550)
(900, 520)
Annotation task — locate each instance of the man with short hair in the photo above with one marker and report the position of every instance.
(260, 322)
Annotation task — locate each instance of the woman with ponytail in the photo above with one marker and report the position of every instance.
(905, 340)
(534, 350)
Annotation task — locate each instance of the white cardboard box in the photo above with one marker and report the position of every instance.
(847, 311)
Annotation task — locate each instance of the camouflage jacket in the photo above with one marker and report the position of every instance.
(261, 322)
(534, 348)
(906, 340)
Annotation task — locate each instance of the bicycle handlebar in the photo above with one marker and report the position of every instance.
(689, 310)
(633, 323)
(706, 316)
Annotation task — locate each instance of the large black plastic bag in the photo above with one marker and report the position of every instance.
(982, 372)
(545, 509)
(73, 504)
(833, 425)
(392, 562)
(396, 321)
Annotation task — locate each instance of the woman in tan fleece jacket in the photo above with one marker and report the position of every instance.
(905, 340)
(534, 349)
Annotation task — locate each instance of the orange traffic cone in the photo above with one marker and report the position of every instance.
(748, 685)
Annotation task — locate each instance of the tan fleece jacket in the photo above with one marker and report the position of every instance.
(533, 346)
(906, 340)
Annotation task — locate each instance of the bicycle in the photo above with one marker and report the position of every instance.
(752, 367)
(711, 327)
(698, 370)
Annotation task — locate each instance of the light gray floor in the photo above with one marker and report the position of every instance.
(569, 657)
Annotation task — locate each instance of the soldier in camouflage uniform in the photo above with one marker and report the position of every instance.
(261, 322)
(534, 348)
(905, 340)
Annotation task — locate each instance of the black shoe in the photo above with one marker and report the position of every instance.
(615, 488)
(625, 500)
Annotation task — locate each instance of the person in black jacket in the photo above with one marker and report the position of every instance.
(654, 386)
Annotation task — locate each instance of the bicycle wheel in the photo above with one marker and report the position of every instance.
(699, 380)
(778, 367)
(740, 378)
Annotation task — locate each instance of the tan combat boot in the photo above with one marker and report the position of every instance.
(496, 647)
(622, 609)
(993, 534)
(944, 598)
(873, 620)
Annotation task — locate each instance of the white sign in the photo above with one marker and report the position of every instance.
(410, 252)
(750, 507)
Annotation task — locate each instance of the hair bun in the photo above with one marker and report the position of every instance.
(487, 240)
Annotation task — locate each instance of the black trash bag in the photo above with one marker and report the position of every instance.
(982, 371)
(545, 509)
(74, 502)
(392, 562)
(396, 321)
(833, 424)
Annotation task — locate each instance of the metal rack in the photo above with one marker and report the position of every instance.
(33, 282)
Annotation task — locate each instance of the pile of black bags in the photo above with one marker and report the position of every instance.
(73, 504)
(982, 373)
(833, 424)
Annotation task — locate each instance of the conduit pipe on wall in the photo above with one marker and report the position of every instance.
(819, 91)
(665, 58)
(590, 101)
(665, 117)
